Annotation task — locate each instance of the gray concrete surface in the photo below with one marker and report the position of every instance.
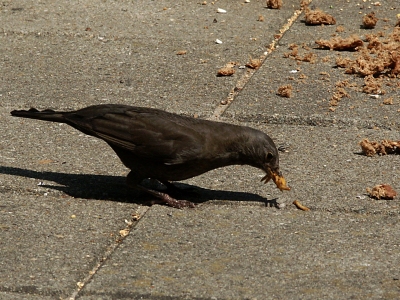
(69, 227)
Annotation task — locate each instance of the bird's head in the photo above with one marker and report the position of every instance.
(263, 154)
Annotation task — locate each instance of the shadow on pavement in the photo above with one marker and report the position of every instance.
(114, 188)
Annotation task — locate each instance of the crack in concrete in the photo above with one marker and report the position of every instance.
(245, 78)
(139, 214)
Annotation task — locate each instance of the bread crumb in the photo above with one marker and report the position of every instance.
(388, 101)
(300, 206)
(338, 95)
(340, 44)
(318, 17)
(372, 85)
(369, 21)
(285, 91)
(370, 148)
(304, 3)
(382, 191)
(308, 57)
(226, 71)
(277, 178)
(382, 56)
(340, 28)
(254, 63)
(274, 4)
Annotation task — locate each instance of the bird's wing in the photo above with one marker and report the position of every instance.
(151, 134)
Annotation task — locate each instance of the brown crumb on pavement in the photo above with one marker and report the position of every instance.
(318, 17)
(381, 56)
(274, 4)
(308, 57)
(388, 101)
(293, 53)
(396, 62)
(351, 43)
(345, 83)
(340, 28)
(382, 191)
(374, 44)
(226, 71)
(370, 148)
(260, 18)
(372, 85)
(300, 206)
(339, 93)
(343, 62)
(181, 52)
(326, 58)
(304, 3)
(285, 91)
(370, 20)
(254, 63)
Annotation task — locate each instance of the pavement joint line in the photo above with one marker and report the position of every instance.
(245, 78)
(314, 120)
(123, 233)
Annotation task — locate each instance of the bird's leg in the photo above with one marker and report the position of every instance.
(133, 182)
(170, 185)
(165, 198)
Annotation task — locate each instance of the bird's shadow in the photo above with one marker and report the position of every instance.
(114, 188)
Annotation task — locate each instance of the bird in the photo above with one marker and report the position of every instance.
(169, 147)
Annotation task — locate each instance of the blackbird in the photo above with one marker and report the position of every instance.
(168, 147)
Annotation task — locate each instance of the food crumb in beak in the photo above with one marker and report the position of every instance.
(278, 179)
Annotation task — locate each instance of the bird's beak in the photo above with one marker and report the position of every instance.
(277, 178)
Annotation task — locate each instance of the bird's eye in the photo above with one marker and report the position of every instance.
(270, 156)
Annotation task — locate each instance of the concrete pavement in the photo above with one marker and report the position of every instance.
(70, 229)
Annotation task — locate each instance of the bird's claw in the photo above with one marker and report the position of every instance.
(178, 203)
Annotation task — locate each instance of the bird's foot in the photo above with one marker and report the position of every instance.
(165, 198)
(175, 203)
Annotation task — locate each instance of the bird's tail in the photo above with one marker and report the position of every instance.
(45, 115)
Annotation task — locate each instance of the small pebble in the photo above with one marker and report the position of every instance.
(281, 205)
(218, 41)
(221, 11)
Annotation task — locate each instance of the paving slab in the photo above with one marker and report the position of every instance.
(71, 55)
(63, 199)
(49, 244)
(220, 252)
(314, 84)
